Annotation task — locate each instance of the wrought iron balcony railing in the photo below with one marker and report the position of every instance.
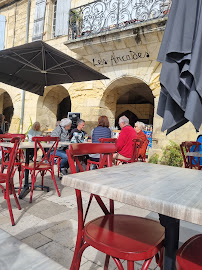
(105, 15)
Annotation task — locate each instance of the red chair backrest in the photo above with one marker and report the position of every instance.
(11, 135)
(108, 140)
(186, 147)
(144, 149)
(12, 158)
(81, 149)
(6, 152)
(46, 155)
(135, 153)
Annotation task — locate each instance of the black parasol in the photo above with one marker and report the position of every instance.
(180, 99)
(34, 65)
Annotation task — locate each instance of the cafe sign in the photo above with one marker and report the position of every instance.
(119, 57)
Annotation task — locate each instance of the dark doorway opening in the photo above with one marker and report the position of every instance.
(63, 108)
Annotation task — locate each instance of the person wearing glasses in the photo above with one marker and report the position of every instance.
(139, 126)
(125, 140)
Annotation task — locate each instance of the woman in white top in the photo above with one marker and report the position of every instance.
(34, 131)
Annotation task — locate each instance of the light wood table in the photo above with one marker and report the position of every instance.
(174, 193)
(194, 154)
(30, 145)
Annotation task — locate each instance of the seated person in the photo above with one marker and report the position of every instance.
(139, 126)
(34, 131)
(101, 131)
(62, 131)
(77, 134)
(124, 141)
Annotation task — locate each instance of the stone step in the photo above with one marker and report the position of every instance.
(16, 255)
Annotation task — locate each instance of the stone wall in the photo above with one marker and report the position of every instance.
(127, 57)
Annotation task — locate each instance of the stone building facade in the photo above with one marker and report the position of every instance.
(127, 56)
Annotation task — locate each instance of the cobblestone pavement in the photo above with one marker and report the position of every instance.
(49, 225)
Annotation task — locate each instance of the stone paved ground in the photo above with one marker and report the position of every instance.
(49, 225)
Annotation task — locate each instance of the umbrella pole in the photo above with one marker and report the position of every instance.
(23, 91)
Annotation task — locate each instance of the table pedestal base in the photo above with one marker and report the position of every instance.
(171, 241)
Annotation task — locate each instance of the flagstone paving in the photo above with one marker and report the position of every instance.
(49, 225)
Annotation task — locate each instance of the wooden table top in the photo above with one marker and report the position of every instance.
(194, 154)
(171, 191)
(26, 145)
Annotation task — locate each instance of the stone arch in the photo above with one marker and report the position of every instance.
(128, 93)
(128, 113)
(47, 106)
(6, 108)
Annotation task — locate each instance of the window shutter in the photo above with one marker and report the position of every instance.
(2, 31)
(62, 17)
(39, 20)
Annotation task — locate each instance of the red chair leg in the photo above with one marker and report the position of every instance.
(14, 194)
(42, 177)
(21, 178)
(146, 264)
(88, 166)
(9, 207)
(106, 265)
(130, 265)
(78, 262)
(32, 188)
(119, 264)
(53, 178)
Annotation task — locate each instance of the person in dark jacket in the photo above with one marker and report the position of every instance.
(62, 131)
(77, 134)
(101, 131)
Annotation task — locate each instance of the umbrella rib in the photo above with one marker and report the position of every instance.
(60, 66)
(57, 63)
(73, 65)
(28, 63)
(44, 65)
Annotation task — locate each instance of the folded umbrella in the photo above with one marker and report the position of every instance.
(180, 98)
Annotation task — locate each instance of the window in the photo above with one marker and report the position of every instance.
(61, 17)
(2, 31)
(54, 16)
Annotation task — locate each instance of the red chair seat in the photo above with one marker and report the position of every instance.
(142, 239)
(189, 256)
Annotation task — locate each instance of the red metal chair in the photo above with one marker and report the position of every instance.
(189, 255)
(7, 178)
(45, 165)
(118, 236)
(144, 146)
(6, 152)
(102, 140)
(135, 153)
(190, 162)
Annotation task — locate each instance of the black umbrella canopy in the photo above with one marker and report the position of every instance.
(34, 65)
(181, 75)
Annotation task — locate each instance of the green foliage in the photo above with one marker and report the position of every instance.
(154, 158)
(172, 155)
(29, 127)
